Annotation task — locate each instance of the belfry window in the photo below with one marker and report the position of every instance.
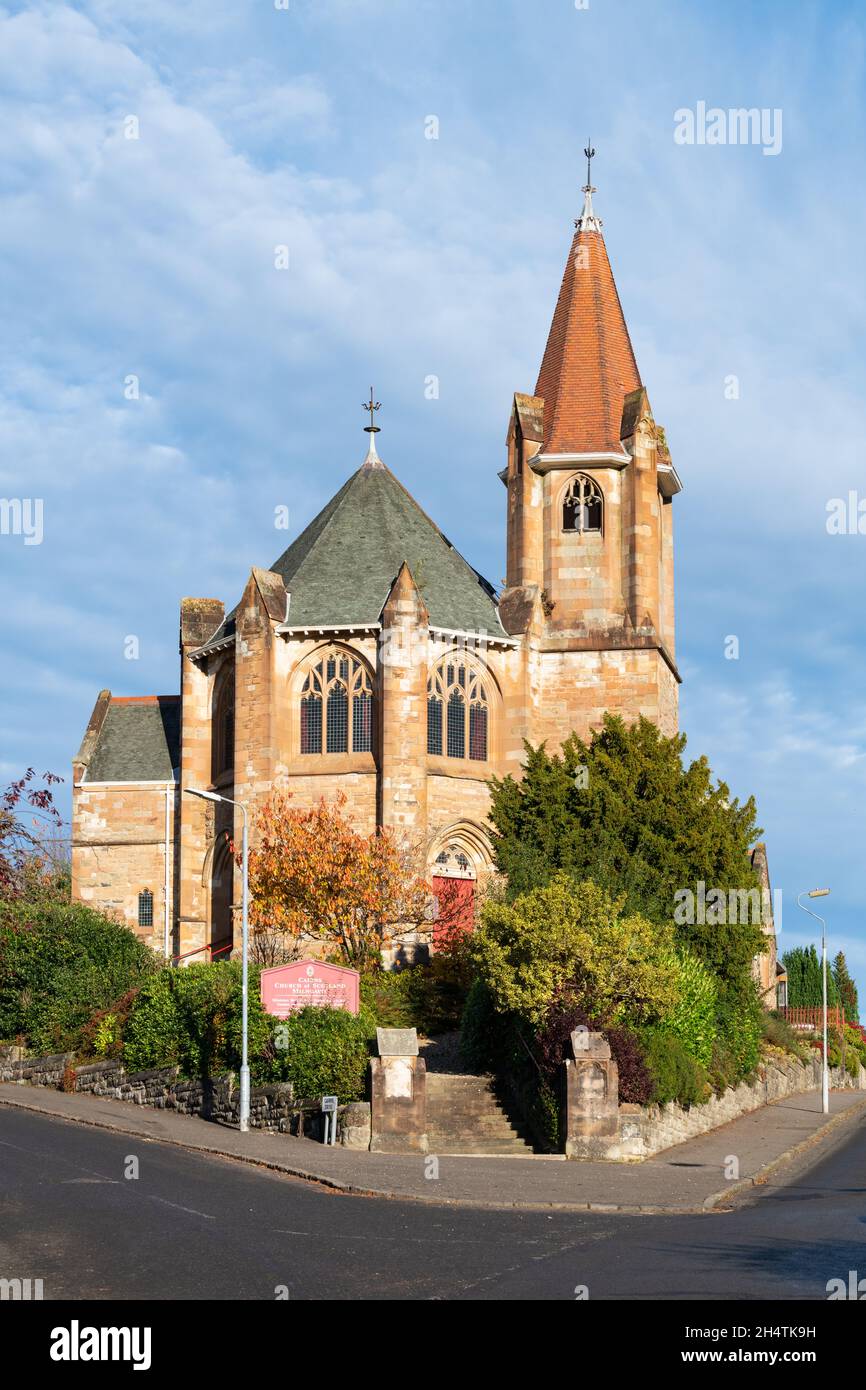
(337, 702)
(145, 908)
(457, 713)
(583, 507)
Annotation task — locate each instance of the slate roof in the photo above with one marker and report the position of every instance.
(139, 741)
(339, 571)
(589, 366)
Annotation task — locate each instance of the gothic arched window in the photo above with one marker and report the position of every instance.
(223, 726)
(337, 706)
(582, 506)
(457, 699)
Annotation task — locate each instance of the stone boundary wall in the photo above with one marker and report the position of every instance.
(272, 1108)
(646, 1130)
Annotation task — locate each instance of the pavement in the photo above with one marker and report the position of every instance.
(691, 1177)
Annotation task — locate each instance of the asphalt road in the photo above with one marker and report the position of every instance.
(198, 1227)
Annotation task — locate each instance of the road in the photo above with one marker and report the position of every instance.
(199, 1227)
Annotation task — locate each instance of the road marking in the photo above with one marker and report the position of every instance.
(191, 1210)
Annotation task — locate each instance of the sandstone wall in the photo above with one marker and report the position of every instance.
(118, 849)
(272, 1108)
(647, 1130)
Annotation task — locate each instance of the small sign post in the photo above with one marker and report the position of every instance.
(329, 1110)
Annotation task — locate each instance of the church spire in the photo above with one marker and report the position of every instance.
(588, 366)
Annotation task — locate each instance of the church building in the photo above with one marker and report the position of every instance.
(372, 659)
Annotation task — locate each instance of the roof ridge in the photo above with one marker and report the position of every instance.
(326, 514)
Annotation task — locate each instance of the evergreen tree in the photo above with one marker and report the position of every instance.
(805, 984)
(622, 810)
(847, 989)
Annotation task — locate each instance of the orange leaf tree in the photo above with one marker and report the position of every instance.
(312, 874)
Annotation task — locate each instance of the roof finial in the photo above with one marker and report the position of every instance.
(588, 222)
(372, 429)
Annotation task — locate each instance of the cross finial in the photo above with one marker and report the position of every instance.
(590, 155)
(372, 406)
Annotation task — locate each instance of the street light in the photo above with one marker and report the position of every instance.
(825, 1072)
(244, 1116)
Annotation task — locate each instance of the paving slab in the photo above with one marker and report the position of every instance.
(689, 1177)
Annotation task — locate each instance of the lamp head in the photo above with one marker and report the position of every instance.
(819, 892)
(205, 796)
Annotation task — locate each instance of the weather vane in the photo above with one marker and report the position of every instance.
(372, 406)
(590, 155)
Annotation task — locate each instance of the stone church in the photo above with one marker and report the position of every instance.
(372, 659)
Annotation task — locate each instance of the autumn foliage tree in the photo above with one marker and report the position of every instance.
(312, 874)
(28, 820)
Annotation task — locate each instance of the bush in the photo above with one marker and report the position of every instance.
(693, 1018)
(487, 1038)
(385, 994)
(552, 1046)
(855, 1040)
(778, 1032)
(437, 992)
(59, 964)
(321, 1051)
(676, 1076)
(192, 1018)
(102, 1035)
(722, 1070)
(572, 935)
(739, 1017)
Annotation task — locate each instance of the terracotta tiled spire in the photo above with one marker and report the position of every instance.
(588, 366)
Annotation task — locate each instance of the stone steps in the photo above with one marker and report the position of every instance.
(464, 1116)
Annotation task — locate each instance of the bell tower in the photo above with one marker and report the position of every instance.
(590, 484)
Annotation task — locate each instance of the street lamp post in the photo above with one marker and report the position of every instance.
(825, 1072)
(244, 1116)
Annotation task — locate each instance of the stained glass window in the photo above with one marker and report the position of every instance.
(337, 690)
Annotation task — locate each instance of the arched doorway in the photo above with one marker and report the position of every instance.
(459, 857)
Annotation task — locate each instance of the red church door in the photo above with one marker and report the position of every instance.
(454, 891)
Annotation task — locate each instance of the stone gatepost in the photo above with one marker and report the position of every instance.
(591, 1097)
(398, 1093)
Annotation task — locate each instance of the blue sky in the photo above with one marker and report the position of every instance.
(409, 257)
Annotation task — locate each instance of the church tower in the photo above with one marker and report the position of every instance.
(590, 534)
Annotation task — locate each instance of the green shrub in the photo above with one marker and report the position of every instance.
(777, 1031)
(59, 964)
(385, 993)
(437, 991)
(854, 1039)
(487, 1038)
(192, 1018)
(739, 1019)
(722, 1070)
(321, 1051)
(852, 1064)
(676, 1075)
(573, 935)
(693, 1018)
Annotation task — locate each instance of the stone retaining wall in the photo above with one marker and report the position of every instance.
(272, 1108)
(645, 1130)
